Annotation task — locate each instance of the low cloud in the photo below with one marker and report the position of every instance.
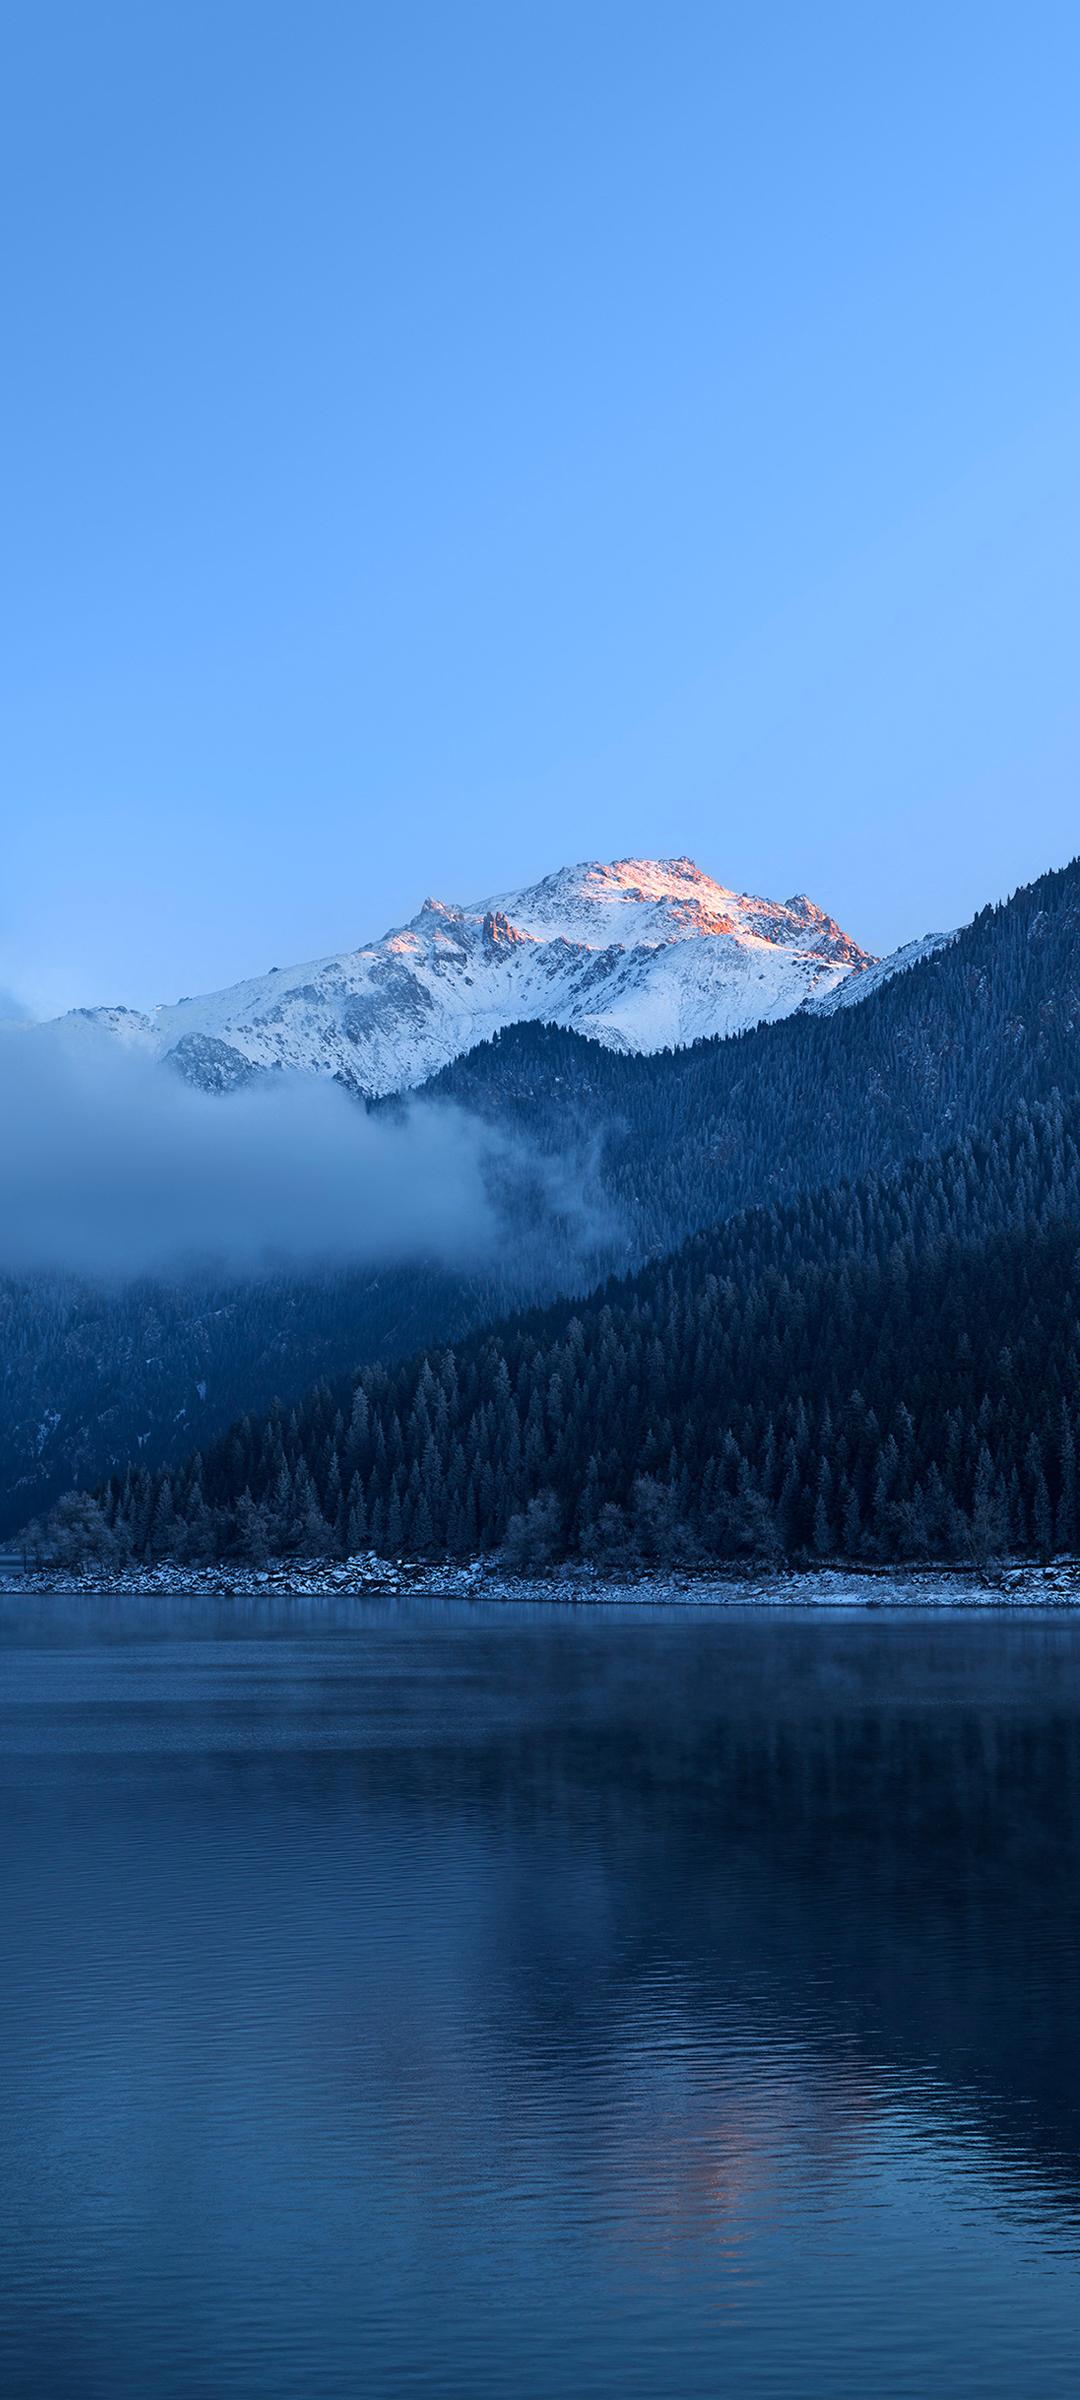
(111, 1165)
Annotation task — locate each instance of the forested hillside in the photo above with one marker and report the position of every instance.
(663, 1145)
(93, 1376)
(890, 1369)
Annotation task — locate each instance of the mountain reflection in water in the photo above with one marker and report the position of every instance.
(463, 2000)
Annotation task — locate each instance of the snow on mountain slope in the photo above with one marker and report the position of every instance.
(859, 987)
(642, 954)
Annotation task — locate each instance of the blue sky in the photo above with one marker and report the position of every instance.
(443, 441)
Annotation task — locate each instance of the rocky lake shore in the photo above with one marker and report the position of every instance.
(1010, 1583)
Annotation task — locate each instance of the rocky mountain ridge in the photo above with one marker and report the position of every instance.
(640, 955)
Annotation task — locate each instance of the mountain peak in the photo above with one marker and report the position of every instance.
(649, 901)
(637, 953)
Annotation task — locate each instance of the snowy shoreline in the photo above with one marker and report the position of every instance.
(1010, 1584)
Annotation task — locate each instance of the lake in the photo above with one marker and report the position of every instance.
(460, 2000)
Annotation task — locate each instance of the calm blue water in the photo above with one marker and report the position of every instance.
(465, 2002)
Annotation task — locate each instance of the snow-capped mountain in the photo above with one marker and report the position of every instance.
(642, 954)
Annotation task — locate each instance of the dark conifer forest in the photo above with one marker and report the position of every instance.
(851, 1326)
(886, 1371)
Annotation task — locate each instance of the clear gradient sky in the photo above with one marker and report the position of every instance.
(447, 438)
